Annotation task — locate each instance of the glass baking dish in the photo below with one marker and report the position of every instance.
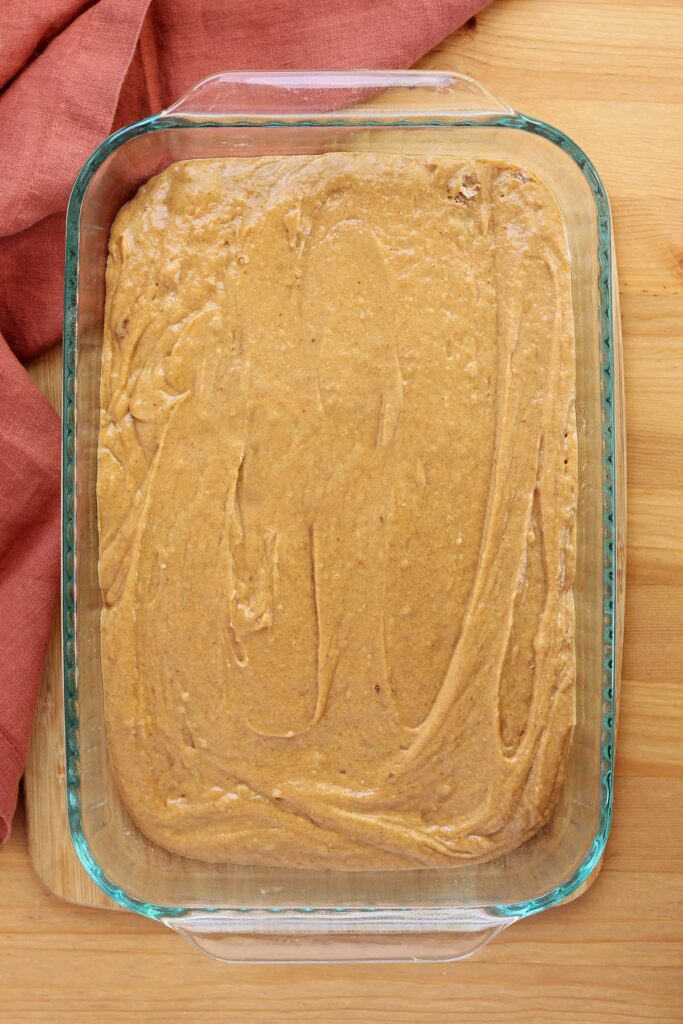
(237, 913)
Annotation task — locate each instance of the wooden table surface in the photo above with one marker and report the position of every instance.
(609, 73)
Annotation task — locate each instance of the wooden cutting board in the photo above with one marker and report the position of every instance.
(50, 847)
(608, 76)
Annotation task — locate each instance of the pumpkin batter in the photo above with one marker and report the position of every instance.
(337, 491)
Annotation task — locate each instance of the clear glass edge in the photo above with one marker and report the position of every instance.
(438, 80)
(612, 596)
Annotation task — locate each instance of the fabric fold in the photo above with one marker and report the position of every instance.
(29, 562)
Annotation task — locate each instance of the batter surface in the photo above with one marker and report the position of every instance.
(337, 490)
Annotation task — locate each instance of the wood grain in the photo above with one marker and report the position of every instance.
(609, 74)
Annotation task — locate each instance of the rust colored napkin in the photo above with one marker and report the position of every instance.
(70, 71)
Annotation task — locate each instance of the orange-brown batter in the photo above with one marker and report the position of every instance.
(336, 491)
